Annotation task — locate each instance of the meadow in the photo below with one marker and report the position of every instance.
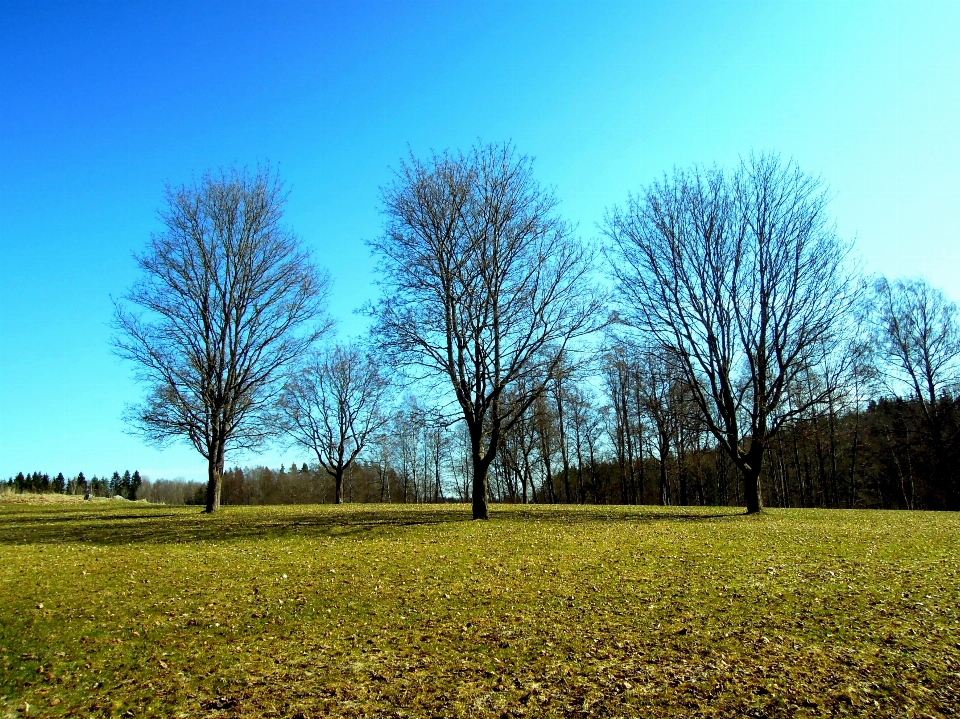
(122, 609)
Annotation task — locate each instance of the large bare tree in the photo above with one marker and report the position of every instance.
(227, 299)
(484, 286)
(334, 405)
(740, 278)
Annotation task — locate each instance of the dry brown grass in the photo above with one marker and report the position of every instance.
(396, 611)
(10, 497)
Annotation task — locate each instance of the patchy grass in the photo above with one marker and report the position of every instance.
(10, 497)
(139, 610)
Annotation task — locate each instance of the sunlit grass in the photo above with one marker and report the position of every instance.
(417, 611)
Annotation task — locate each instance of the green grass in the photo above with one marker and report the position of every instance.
(111, 609)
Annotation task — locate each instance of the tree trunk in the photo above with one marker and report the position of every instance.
(751, 488)
(338, 484)
(664, 453)
(563, 444)
(682, 471)
(479, 488)
(214, 480)
(749, 464)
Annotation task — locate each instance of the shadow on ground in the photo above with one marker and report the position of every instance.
(109, 525)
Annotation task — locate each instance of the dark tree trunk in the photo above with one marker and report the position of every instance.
(663, 479)
(682, 471)
(551, 490)
(664, 448)
(214, 479)
(563, 445)
(641, 474)
(751, 489)
(480, 488)
(438, 489)
(338, 485)
(750, 468)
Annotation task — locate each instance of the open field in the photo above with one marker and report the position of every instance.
(120, 609)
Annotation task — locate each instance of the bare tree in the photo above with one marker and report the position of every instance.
(919, 338)
(918, 333)
(586, 423)
(518, 446)
(741, 278)
(485, 287)
(656, 389)
(334, 405)
(227, 300)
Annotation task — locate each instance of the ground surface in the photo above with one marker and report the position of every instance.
(127, 609)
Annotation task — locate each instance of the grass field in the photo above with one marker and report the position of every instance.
(113, 609)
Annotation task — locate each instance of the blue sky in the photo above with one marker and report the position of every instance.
(103, 103)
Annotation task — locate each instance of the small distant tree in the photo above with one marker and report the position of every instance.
(135, 481)
(228, 299)
(334, 405)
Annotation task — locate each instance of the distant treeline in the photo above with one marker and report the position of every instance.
(125, 485)
(895, 454)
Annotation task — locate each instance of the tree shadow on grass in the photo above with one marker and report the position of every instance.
(104, 525)
(640, 514)
(190, 524)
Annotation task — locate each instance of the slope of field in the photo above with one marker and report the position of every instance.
(113, 609)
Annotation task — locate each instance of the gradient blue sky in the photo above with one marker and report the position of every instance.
(102, 103)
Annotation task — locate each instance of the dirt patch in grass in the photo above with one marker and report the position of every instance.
(8, 497)
(403, 611)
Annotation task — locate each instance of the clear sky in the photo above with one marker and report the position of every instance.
(103, 103)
